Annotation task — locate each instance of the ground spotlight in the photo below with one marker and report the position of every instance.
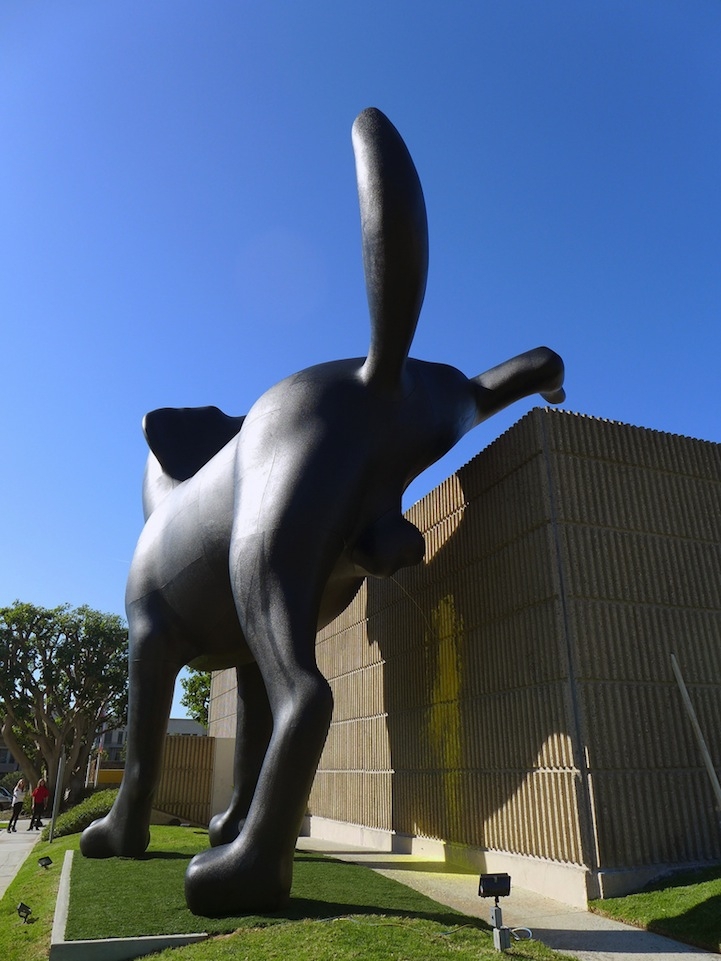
(497, 886)
(494, 886)
(45, 862)
(24, 911)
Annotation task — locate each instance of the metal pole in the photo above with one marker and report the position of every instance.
(697, 731)
(58, 792)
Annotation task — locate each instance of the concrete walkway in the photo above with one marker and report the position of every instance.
(576, 932)
(14, 849)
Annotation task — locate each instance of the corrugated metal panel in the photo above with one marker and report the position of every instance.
(187, 778)
(641, 540)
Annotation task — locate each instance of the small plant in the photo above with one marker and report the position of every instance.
(83, 814)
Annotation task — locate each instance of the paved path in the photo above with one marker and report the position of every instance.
(14, 849)
(579, 933)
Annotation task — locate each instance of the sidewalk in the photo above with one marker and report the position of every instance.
(14, 849)
(586, 936)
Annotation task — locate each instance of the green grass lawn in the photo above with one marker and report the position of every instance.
(120, 898)
(337, 910)
(365, 938)
(38, 889)
(684, 906)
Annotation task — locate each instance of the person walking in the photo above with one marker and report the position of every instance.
(39, 796)
(18, 801)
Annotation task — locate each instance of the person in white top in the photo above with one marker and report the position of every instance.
(21, 789)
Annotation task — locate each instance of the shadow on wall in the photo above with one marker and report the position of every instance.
(476, 670)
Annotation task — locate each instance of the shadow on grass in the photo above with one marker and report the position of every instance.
(684, 906)
(310, 909)
(681, 879)
(323, 888)
(700, 925)
(426, 867)
(164, 856)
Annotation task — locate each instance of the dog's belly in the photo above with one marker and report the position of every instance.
(179, 572)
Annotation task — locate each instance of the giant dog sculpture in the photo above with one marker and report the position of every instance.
(261, 529)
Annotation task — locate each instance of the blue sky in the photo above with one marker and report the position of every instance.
(179, 225)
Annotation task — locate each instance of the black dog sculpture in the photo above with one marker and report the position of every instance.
(261, 529)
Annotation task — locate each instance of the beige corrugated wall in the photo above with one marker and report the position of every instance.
(187, 778)
(514, 692)
(639, 521)
(223, 706)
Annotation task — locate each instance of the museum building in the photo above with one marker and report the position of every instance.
(510, 704)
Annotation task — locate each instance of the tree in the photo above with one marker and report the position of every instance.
(63, 676)
(196, 696)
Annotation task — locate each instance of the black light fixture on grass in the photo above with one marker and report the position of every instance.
(494, 886)
(497, 886)
(45, 862)
(24, 911)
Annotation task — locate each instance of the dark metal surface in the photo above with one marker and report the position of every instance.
(260, 530)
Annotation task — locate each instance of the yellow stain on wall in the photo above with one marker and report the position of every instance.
(444, 718)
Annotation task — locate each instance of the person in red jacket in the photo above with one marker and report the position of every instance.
(40, 796)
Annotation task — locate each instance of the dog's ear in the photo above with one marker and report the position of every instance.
(395, 243)
(185, 438)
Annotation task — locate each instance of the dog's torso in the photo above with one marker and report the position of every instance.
(321, 454)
